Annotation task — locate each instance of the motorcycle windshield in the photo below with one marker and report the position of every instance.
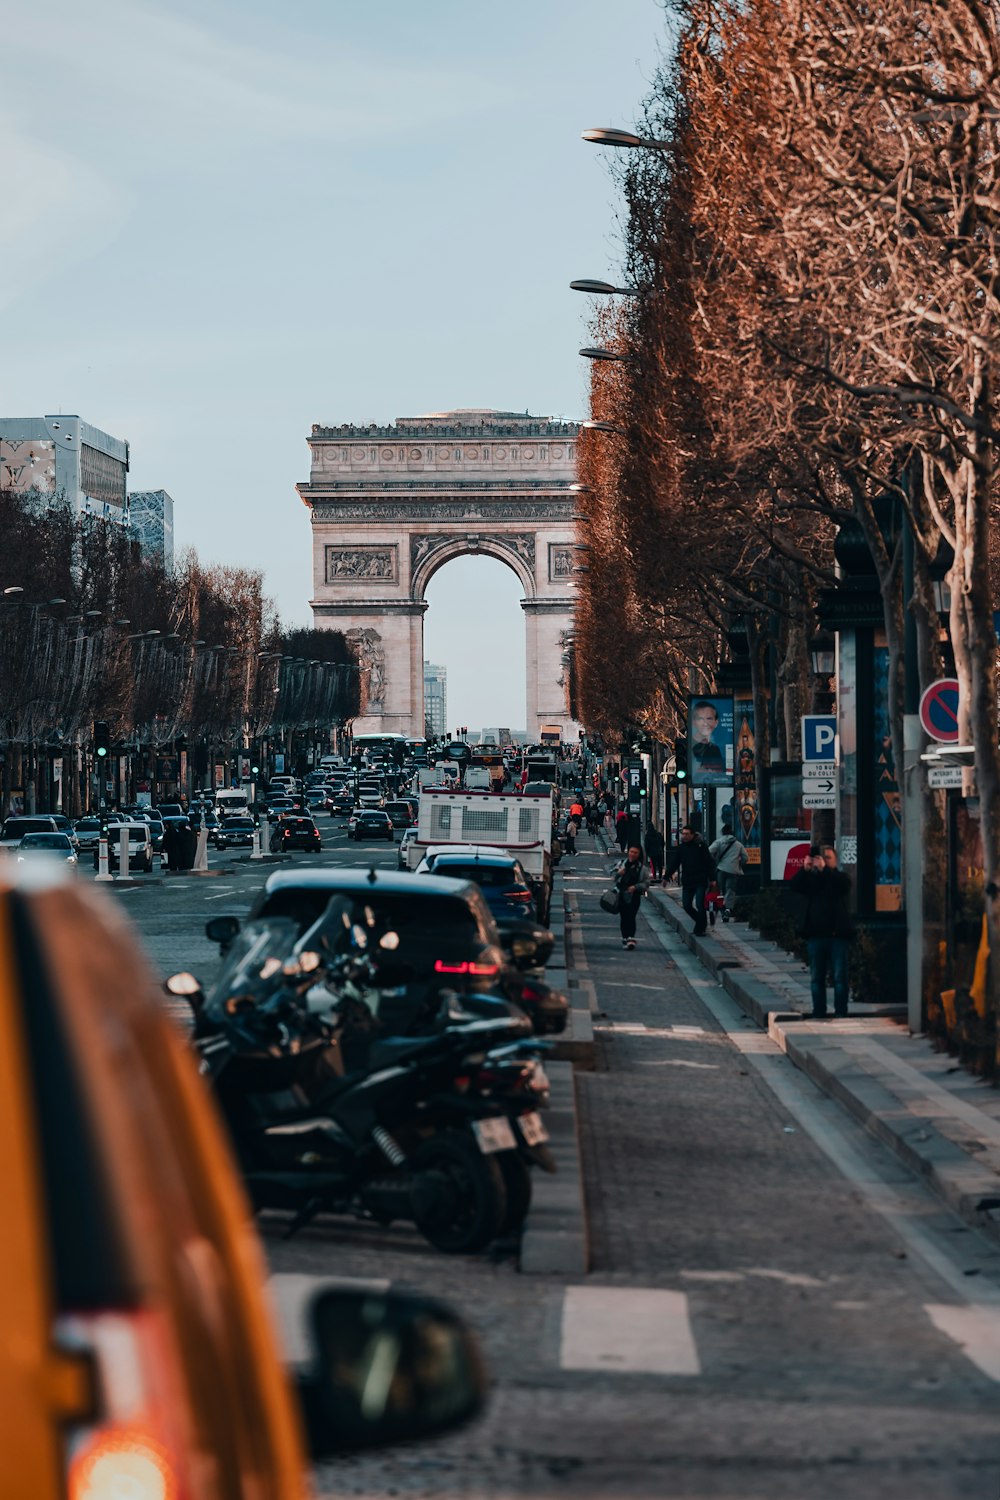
(253, 967)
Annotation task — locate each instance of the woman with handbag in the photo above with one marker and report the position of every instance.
(631, 883)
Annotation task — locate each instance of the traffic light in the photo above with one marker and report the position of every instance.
(102, 739)
(681, 759)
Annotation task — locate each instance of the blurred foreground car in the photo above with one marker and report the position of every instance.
(138, 1356)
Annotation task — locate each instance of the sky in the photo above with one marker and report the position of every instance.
(228, 219)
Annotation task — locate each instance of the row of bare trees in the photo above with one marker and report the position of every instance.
(90, 630)
(812, 350)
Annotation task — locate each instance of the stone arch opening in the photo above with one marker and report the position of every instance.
(475, 629)
(431, 554)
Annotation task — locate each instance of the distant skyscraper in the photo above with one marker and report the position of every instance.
(435, 697)
(153, 524)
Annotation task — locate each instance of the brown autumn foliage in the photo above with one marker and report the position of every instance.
(817, 339)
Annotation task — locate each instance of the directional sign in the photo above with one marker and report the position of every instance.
(815, 769)
(818, 800)
(939, 710)
(815, 786)
(819, 737)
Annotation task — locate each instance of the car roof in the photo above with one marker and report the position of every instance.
(355, 877)
(474, 857)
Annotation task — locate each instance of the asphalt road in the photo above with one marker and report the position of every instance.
(776, 1308)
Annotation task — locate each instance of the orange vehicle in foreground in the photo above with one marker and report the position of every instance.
(137, 1352)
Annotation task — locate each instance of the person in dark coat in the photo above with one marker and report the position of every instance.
(621, 830)
(630, 878)
(654, 851)
(170, 847)
(691, 861)
(825, 922)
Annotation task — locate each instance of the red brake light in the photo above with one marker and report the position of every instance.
(484, 969)
(440, 967)
(517, 894)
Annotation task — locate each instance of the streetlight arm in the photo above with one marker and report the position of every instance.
(607, 135)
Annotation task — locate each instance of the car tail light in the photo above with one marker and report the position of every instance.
(136, 1446)
(440, 967)
(517, 894)
(487, 969)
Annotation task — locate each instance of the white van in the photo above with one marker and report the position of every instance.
(231, 799)
(478, 779)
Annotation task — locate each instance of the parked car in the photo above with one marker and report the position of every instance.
(15, 828)
(370, 823)
(294, 832)
(139, 1353)
(56, 846)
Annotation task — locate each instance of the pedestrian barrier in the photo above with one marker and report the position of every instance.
(201, 854)
(103, 869)
(256, 851)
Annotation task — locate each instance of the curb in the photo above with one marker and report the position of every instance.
(970, 1191)
(555, 1240)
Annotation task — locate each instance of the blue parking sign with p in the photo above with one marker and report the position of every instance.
(819, 737)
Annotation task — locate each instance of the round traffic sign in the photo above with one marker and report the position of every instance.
(939, 710)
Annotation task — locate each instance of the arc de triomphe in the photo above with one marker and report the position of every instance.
(391, 505)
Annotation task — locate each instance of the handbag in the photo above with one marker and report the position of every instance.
(611, 900)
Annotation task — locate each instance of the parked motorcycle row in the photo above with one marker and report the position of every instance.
(345, 1093)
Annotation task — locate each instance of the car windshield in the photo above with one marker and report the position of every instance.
(429, 928)
(300, 825)
(88, 825)
(240, 824)
(45, 841)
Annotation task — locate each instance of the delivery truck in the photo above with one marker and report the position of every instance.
(521, 824)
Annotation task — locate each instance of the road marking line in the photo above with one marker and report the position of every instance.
(975, 1329)
(632, 1330)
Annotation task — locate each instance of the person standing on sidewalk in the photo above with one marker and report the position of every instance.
(827, 926)
(654, 852)
(621, 830)
(730, 857)
(572, 829)
(691, 860)
(631, 882)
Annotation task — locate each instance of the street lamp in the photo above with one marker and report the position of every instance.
(601, 353)
(604, 289)
(607, 135)
(13, 592)
(597, 426)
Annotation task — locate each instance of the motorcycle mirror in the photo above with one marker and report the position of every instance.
(387, 1367)
(309, 961)
(222, 929)
(183, 985)
(360, 935)
(389, 941)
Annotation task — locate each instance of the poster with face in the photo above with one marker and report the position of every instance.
(710, 741)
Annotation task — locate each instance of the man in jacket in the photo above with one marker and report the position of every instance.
(654, 851)
(729, 855)
(826, 925)
(692, 861)
(630, 878)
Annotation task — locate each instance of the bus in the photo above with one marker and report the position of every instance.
(389, 748)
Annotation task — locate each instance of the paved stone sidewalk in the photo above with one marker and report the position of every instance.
(938, 1118)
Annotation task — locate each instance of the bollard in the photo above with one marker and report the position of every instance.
(123, 854)
(103, 872)
(256, 852)
(201, 854)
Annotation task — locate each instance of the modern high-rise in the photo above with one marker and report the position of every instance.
(435, 698)
(62, 456)
(152, 513)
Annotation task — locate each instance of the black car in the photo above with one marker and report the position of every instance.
(501, 878)
(400, 813)
(371, 823)
(447, 938)
(235, 833)
(295, 833)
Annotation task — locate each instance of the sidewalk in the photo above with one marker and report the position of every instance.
(942, 1122)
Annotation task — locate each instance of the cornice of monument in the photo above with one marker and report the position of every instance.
(429, 428)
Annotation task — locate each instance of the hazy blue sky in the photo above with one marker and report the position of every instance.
(228, 219)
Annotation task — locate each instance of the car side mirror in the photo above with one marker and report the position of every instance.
(222, 929)
(387, 1367)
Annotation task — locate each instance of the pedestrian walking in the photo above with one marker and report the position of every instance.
(621, 830)
(692, 863)
(826, 924)
(571, 831)
(632, 884)
(730, 857)
(654, 852)
(593, 819)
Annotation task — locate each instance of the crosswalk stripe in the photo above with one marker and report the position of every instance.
(631, 1330)
(976, 1329)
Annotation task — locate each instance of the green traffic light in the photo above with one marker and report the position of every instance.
(101, 752)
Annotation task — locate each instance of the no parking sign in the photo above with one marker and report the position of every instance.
(939, 710)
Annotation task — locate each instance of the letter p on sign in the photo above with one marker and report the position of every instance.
(819, 737)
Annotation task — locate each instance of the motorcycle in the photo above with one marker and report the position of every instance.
(329, 1115)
